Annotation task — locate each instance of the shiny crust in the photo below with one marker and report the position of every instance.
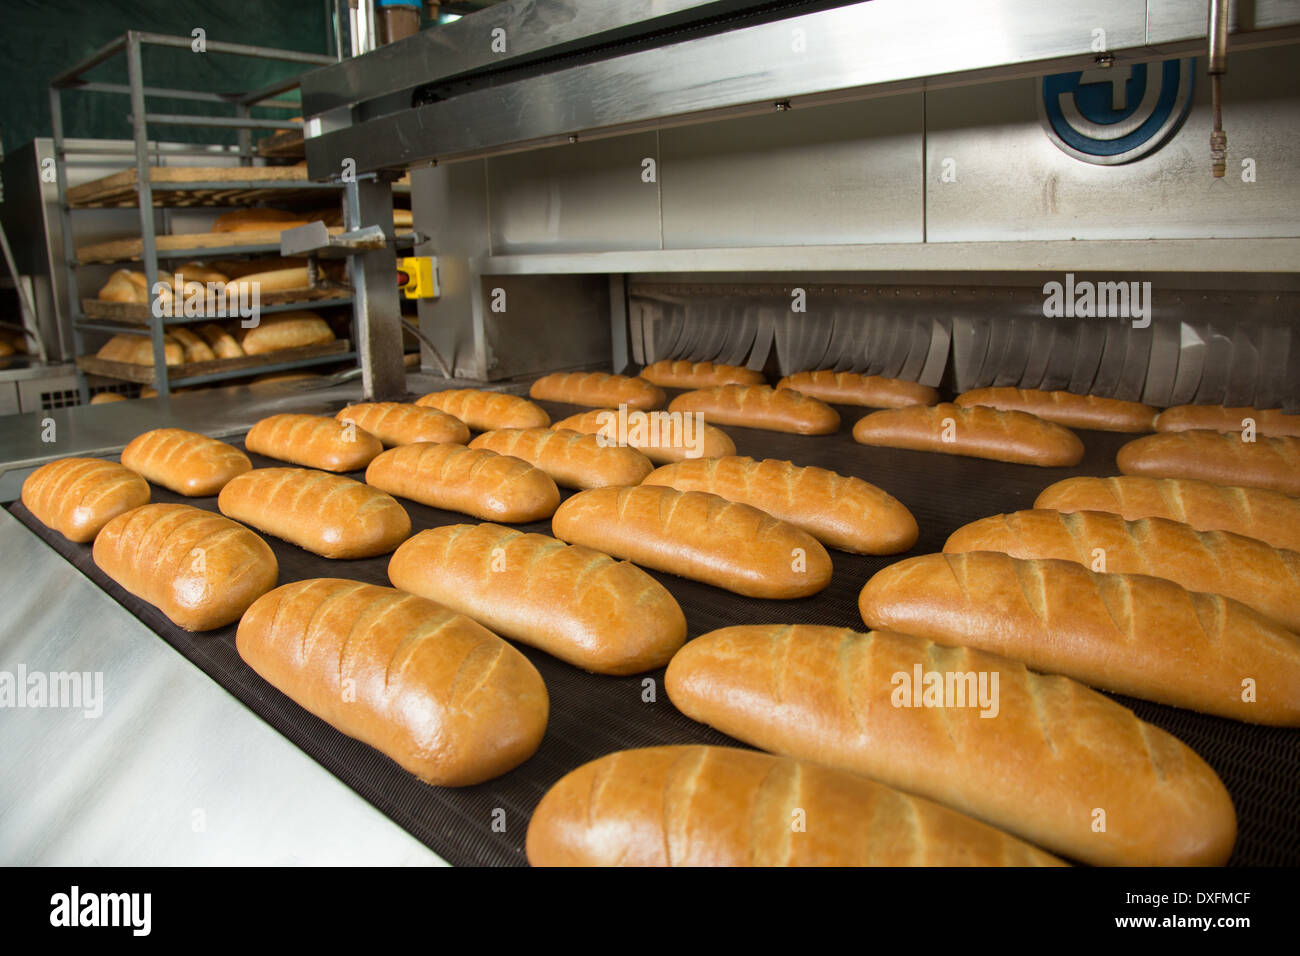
(486, 411)
(473, 481)
(222, 343)
(978, 433)
(1272, 422)
(186, 462)
(442, 696)
(598, 389)
(395, 423)
(758, 406)
(286, 330)
(1271, 463)
(572, 459)
(198, 568)
(138, 350)
(78, 496)
(1066, 408)
(313, 441)
(579, 605)
(684, 374)
(850, 388)
(714, 443)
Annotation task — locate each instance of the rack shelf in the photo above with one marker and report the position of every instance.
(138, 314)
(193, 373)
(197, 186)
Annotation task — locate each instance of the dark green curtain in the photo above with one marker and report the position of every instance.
(40, 38)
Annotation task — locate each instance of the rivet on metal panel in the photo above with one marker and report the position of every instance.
(782, 105)
(573, 138)
(1104, 60)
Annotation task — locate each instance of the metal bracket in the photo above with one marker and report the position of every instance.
(315, 239)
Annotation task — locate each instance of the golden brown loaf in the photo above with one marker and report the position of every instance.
(198, 568)
(683, 374)
(314, 441)
(286, 330)
(850, 388)
(722, 806)
(287, 279)
(473, 481)
(758, 406)
(328, 515)
(1269, 516)
(577, 604)
(186, 462)
(486, 411)
(660, 436)
(573, 460)
(257, 219)
(1128, 633)
(977, 432)
(1271, 422)
(1272, 463)
(1053, 756)
(195, 349)
(1258, 575)
(221, 342)
(125, 285)
(138, 350)
(843, 512)
(597, 388)
(395, 423)
(193, 272)
(107, 398)
(699, 536)
(442, 696)
(1066, 408)
(78, 496)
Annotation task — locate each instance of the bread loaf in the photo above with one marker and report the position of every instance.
(107, 398)
(186, 462)
(473, 481)
(485, 411)
(1048, 757)
(577, 604)
(394, 423)
(683, 374)
(201, 274)
(1269, 516)
(976, 432)
(138, 350)
(258, 219)
(721, 806)
(1271, 463)
(313, 441)
(125, 285)
(843, 512)
(289, 279)
(573, 460)
(325, 514)
(1258, 575)
(850, 388)
(660, 436)
(1065, 408)
(286, 330)
(221, 342)
(597, 388)
(442, 696)
(758, 406)
(200, 569)
(195, 349)
(699, 536)
(1127, 633)
(1217, 418)
(78, 496)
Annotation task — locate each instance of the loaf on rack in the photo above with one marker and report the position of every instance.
(1270, 421)
(1225, 459)
(138, 350)
(575, 603)
(439, 694)
(722, 806)
(1065, 408)
(598, 389)
(1129, 633)
(125, 285)
(222, 343)
(758, 406)
(841, 511)
(288, 279)
(977, 432)
(257, 219)
(395, 423)
(1033, 754)
(188, 463)
(699, 536)
(195, 349)
(572, 459)
(107, 398)
(200, 569)
(685, 374)
(473, 481)
(78, 496)
(660, 436)
(850, 388)
(286, 330)
(485, 411)
(313, 441)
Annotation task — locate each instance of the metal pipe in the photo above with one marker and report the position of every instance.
(1216, 30)
(237, 49)
(96, 87)
(233, 122)
(99, 56)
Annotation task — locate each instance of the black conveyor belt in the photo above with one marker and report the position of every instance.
(593, 715)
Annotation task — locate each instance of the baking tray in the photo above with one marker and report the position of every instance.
(592, 715)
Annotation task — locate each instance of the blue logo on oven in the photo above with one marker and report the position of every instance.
(1118, 114)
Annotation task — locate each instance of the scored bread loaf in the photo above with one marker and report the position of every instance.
(329, 515)
(597, 388)
(722, 806)
(473, 481)
(395, 423)
(188, 463)
(200, 569)
(441, 695)
(1040, 766)
(850, 388)
(78, 496)
(286, 330)
(684, 374)
(661, 436)
(195, 349)
(572, 459)
(1258, 575)
(138, 350)
(577, 604)
(843, 512)
(124, 285)
(1129, 633)
(1269, 516)
(1065, 408)
(1271, 463)
(485, 411)
(699, 536)
(976, 432)
(759, 406)
(201, 274)
(314, 441)
(289, 279)
(257, 219)
(1270, 421)
(221, 342)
